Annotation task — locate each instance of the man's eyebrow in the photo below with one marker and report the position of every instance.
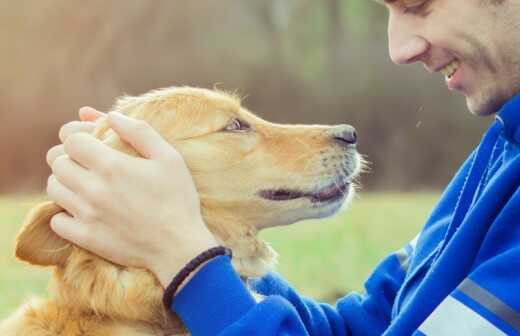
(403, 2)
(385, 2)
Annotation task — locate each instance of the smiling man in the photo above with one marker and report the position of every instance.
(474, 44)
(460, 276)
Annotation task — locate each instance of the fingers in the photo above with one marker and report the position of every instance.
(140, 135)
(88, 113)
(72, 175)
(67, 130)
(76, 127)
(54, 153)
(90, 152)
(69, 228)
(64, 197)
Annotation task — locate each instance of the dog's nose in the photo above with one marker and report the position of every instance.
(345, 135)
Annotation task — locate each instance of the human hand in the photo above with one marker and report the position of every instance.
(142, 212)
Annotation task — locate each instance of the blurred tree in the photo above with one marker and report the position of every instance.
(298, 61)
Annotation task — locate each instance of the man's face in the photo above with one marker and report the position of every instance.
(474, 43)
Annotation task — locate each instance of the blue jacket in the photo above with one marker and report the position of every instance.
(460, 276)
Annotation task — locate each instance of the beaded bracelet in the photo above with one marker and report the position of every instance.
(172, 288)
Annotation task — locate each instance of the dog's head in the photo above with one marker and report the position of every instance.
(250, 174)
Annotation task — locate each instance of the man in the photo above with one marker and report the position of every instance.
(461, 276)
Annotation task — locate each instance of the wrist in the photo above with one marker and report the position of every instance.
(175, 258)
(189, 270)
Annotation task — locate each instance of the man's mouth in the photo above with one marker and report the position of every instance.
(331, 193)
(449, 70)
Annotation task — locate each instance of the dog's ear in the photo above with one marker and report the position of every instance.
(37, 243)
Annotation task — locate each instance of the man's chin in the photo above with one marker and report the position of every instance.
(483, 107)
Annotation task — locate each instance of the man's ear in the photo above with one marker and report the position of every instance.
(37, 243)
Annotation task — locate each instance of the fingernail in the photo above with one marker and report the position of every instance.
(87, 113)
(88, 110)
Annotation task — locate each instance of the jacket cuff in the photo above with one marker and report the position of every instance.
(213, 299)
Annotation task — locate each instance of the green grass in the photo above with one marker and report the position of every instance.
(17, 281)
(327, 258)
(323, 259)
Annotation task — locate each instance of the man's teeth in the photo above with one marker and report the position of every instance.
(450, 69)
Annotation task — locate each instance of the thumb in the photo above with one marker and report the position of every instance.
(87, 113)
(138, 133)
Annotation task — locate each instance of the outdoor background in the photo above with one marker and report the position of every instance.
(296, 61)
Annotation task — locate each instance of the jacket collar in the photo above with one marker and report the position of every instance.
(509, 117)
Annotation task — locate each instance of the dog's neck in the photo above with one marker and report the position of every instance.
(252, 257)
(91, 284)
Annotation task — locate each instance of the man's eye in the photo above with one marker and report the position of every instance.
(415, 7)
(237, 125)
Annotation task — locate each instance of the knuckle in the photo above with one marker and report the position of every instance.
(98, 197)
(112, 165)
(109, 168)
(88, 214)
(141, 126)
(98, 201)
(53, 153)
(67, 129)
(75, 139)
(59, 163)
(74, 143)
(89, 126)
(70, 142)
(94, 192)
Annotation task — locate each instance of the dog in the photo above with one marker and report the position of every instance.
(251, 174)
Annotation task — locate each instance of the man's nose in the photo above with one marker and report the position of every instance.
(405, 46)
(344, 135)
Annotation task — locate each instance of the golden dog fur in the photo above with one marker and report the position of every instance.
(94, 297)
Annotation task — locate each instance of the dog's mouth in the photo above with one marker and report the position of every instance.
(328, 194)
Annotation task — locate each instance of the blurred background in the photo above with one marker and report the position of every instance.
(295, 61)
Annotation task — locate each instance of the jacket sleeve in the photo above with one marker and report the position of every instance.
(216, 302)
(487, 301)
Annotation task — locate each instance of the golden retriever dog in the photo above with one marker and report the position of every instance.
(251, 174)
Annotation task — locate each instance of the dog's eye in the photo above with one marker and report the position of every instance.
(237, 125)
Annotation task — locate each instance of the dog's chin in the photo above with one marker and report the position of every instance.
(322, 196)
(324, 202)
(333, 204)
